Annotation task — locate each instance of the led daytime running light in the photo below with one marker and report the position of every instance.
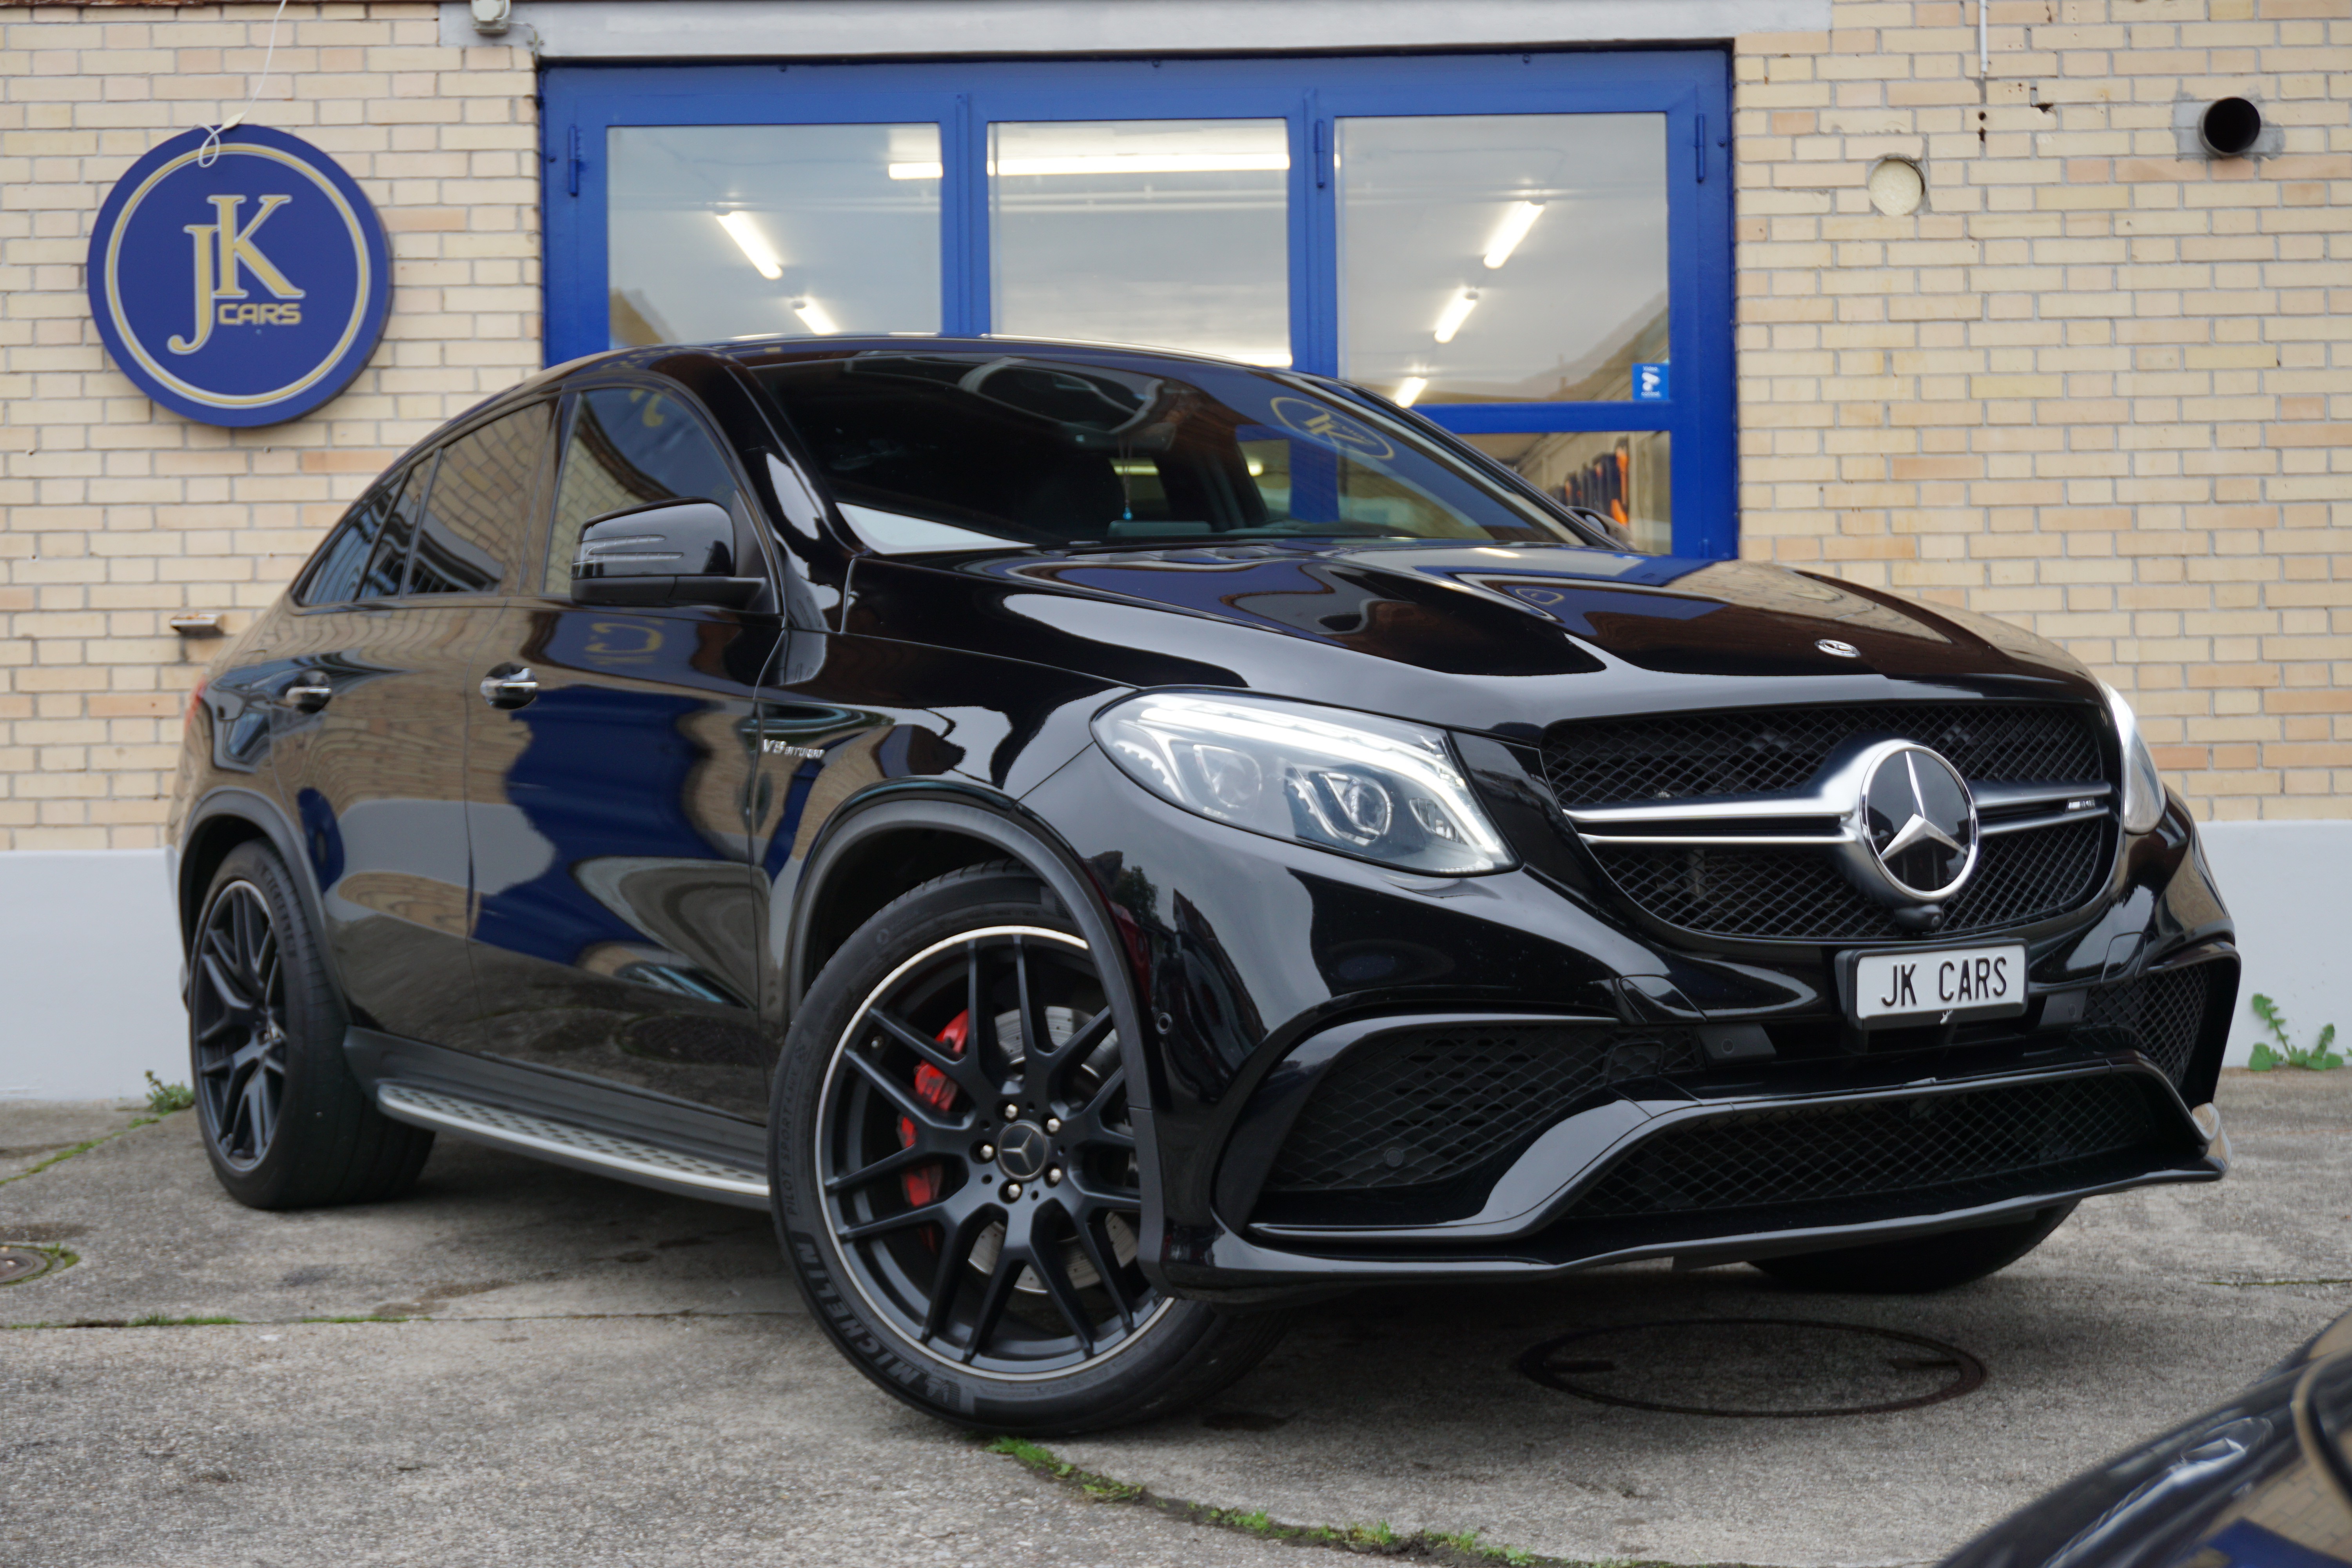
(1355, 783)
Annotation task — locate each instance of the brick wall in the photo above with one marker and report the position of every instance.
(118, 515)
(2094, 387)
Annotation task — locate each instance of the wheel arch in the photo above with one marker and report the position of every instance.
(864, 871)
(216, 825)
(911, 837)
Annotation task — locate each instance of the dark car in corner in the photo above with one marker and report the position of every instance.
(1107, 845)
(2262, 1481)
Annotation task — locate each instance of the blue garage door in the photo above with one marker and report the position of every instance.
(1533, 249)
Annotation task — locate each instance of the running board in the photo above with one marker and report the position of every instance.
(603, 1153)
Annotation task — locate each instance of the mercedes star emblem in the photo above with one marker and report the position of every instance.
(1921, 822)
(1021, 1152)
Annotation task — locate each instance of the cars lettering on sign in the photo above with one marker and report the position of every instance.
(238, 281)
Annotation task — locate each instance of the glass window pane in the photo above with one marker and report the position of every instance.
(723, 231)
(1168, 232)
(1624, 476)
(629, 446)
(478, 516)
(388, 568)
(1505, 258)
(1109, 448)
(334, 576)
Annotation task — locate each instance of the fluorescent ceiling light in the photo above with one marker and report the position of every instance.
(812, 315)
(753, 244)
(1412, 388)
(1457, 310)
(1515, 225)
(1119, 163)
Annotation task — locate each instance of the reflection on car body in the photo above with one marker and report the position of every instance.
(824, 776)
(2263, 1481)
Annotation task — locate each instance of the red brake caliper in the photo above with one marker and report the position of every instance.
(934, 1089)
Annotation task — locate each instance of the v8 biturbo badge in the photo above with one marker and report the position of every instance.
(241, 283)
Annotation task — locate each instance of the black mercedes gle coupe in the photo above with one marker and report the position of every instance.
(1107, 845)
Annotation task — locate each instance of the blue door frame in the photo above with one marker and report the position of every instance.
(1691, 88)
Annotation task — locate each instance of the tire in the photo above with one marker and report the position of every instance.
(1920, 1265)
(1017, 1305)
(285, 1123)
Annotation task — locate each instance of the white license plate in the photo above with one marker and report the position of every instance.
(1957, 982)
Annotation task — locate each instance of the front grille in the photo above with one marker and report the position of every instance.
(1763, 749)
(2162, 1012)
(1426, 1105)
(1876, 1148)
(1800, 895)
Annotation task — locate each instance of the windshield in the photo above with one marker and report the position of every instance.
(930, 451)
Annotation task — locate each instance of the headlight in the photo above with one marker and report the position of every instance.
(1371, 787)
(2143, 786)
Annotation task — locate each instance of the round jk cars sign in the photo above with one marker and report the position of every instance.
(243, 288)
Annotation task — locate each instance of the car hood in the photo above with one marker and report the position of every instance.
(1483, 637)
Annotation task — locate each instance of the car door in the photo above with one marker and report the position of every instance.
(372, 720)
(615, 932)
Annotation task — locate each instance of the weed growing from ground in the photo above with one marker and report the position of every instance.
(2318, 1058)
(163, 1099)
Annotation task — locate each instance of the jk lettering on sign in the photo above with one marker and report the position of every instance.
(1957, 982)
(244, 289)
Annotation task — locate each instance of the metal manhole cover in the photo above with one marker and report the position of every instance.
(1754, 1366)
(23, 1263)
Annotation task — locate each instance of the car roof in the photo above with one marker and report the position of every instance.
(754, 352)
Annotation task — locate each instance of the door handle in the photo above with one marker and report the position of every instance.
(306, 696)
(508, 688)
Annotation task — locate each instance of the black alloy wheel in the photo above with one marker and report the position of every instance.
(956, 1172)
(285, 1123)
(978, 1166)
(236, 1012)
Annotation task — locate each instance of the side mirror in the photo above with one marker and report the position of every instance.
(672, 552)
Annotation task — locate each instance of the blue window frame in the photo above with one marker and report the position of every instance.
(1688, 88)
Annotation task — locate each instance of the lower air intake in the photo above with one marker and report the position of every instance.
(2163, 1014)
(1876, 1148)
(1426, 1105)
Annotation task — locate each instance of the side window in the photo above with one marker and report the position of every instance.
(476, 522)
(629, 446)
(389, 565)
(335, 574)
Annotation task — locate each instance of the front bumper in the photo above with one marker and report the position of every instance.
(1575, 1198)
(1263, 965)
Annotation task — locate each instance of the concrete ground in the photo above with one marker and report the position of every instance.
(590, 1374)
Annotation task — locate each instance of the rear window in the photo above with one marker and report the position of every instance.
(366, 554)
(940, 451)
(335, 574)
(387, 569)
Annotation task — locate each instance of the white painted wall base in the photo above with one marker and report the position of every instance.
(2287, 884)
(89, 954)
(89, 963)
